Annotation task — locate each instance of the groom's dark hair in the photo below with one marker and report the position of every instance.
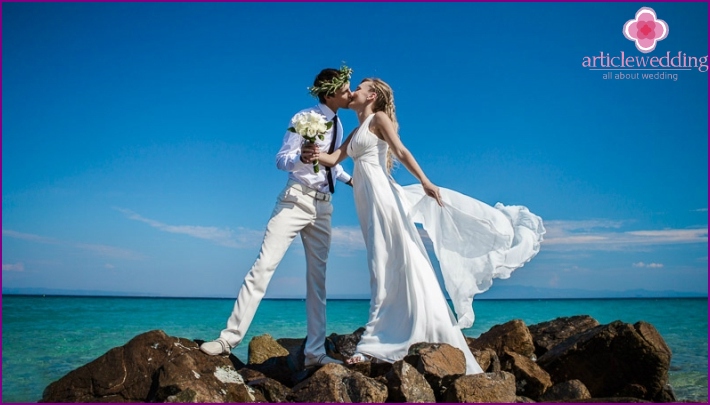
(325, 75)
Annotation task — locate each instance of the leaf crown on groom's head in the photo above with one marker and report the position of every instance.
(328, 87)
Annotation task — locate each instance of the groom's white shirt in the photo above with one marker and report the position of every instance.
(289, 157)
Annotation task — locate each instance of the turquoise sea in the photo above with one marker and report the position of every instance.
(43, 338)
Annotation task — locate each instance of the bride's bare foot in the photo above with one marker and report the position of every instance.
(357, 358)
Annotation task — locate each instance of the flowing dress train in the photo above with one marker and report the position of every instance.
(473, 242)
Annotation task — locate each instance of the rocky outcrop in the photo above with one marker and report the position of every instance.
(335, 383)
(530, 379)
(440, 364)
(614, 360)
(154, 367)
(566, 391)
(580, 361)
(263, 348)
(547, 335)
(486, 387)
(406, 384)
(487, 359)
(512, 335)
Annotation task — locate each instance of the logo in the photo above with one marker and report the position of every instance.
(645, 30)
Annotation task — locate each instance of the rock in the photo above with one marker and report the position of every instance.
(487, 359)
(609, 400)
(565, 391)
(547, 335)
(512, 335)
(270, 389)
(371, 369)
(296, 357)
(344, 346)
(530, 380)
(335, 383)
(263, 348)
(188, 379)
(440, 363)
(281, 370)
(617, 362)
(152, 367)
(613, 359)
(406, 384)
(484, 387)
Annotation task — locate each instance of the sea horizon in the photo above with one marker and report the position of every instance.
(544, 294)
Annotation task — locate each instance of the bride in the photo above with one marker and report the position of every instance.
(474, 242)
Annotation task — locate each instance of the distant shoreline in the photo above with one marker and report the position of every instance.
(698, 297)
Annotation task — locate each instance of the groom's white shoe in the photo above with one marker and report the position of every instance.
(321, 360)
(216, 347)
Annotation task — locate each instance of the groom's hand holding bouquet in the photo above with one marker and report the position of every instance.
(310, 125)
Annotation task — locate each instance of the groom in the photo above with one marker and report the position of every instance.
(302, 207)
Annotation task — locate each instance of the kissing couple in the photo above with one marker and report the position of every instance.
(473, 241)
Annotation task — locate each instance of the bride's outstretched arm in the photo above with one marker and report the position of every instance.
(385, 128)
(338, 155)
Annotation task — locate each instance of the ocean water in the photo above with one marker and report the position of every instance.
(43, 338)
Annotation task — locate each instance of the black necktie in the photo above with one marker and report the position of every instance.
(331, 184)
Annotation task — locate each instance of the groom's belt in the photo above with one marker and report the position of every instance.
(309, 191)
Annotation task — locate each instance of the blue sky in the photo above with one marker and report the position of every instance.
(138, 140)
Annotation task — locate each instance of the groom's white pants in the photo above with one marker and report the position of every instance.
(295, 212)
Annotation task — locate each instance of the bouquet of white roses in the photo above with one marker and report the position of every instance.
(310, 125)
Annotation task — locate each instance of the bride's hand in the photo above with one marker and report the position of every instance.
(433, 191)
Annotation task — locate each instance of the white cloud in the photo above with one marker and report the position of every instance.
(582, 225)
(241, 238)
(347, 237)
(102, 250)
(29, 237)
(13, 267)
(648, 265)
(701, 210)
(606, 235)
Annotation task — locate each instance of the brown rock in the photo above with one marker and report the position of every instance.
(609, 400)
(512, 335)
(530, 380)
(150, 367)
(371, 369)
(406, 384)
(335, 383)
(440, 363)
(270, 389)
(264, 347)
(487, 359)
(189, 379)
(547, 335)
(564, 391)
(609, 359)
(484, 387)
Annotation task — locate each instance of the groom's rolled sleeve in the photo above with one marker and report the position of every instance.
(289, 157)
(340, 174)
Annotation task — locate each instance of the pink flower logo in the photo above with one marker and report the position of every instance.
(646, 30)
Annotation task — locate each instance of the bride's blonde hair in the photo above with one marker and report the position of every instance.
(385, 103)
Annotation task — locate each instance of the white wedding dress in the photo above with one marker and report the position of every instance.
(473, 242)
